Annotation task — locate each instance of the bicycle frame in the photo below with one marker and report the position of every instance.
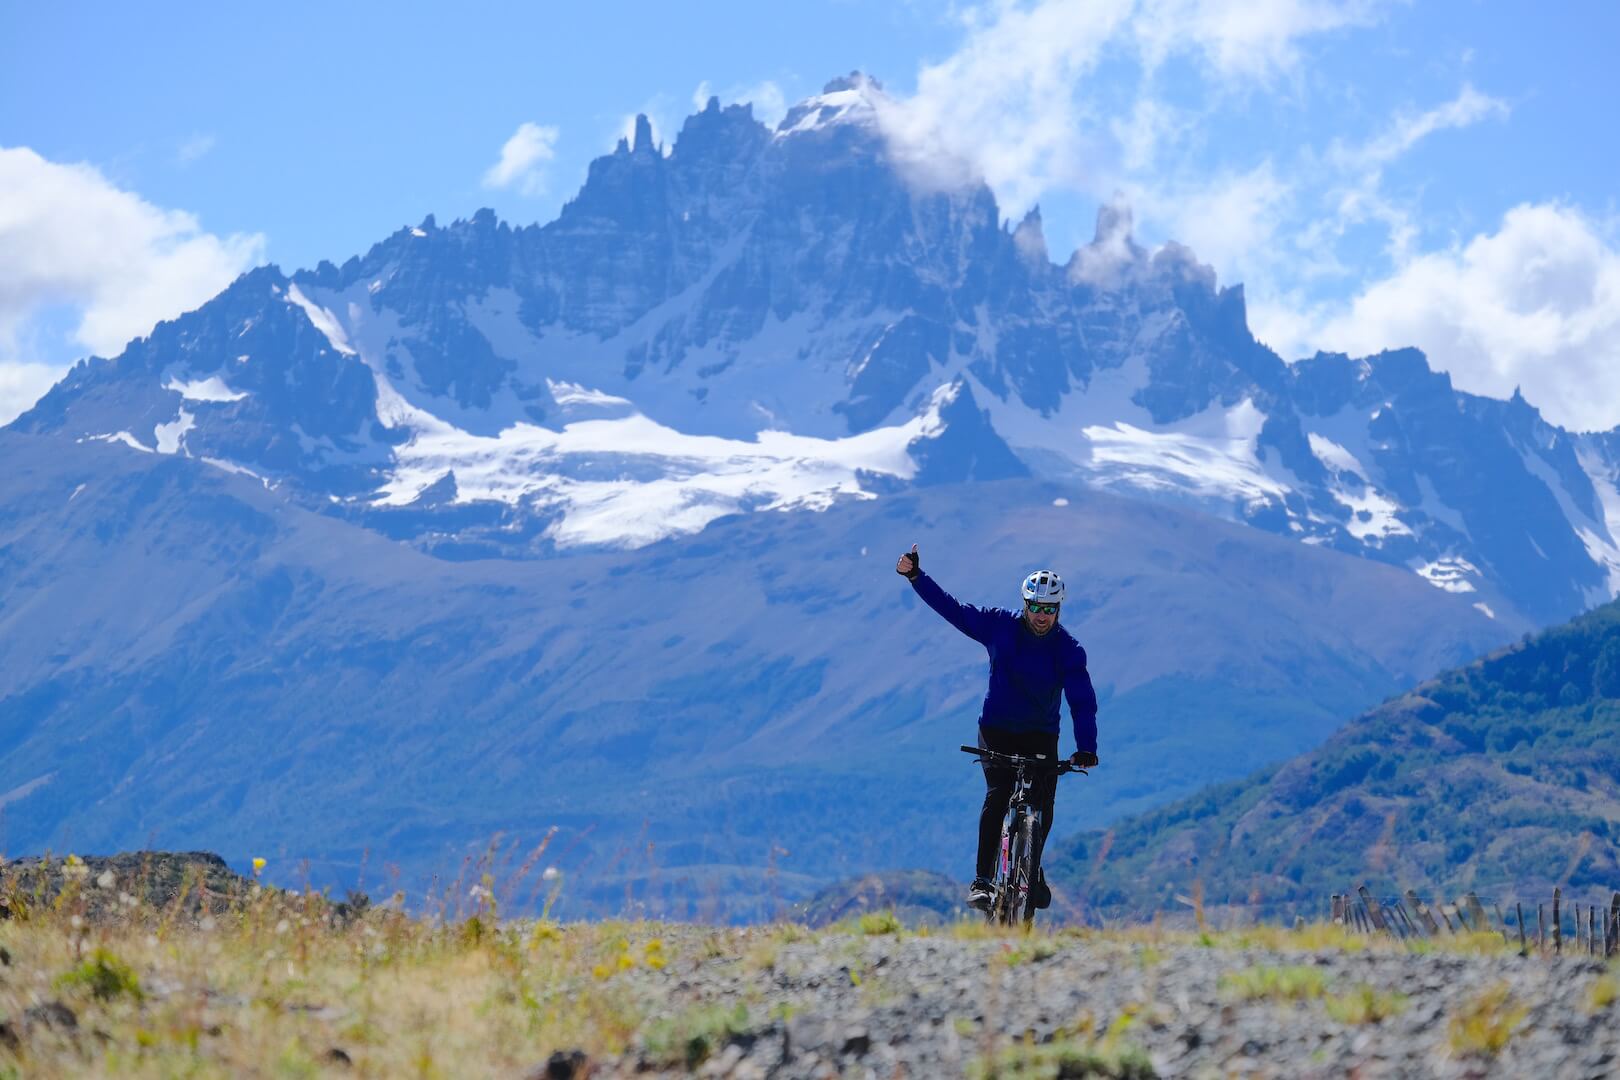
(1017, 865)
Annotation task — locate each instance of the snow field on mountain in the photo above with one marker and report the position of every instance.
(621, 481)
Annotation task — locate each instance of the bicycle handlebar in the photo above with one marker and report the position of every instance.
(1061, 765)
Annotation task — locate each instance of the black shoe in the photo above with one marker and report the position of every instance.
(1040, 896)
(980, 894)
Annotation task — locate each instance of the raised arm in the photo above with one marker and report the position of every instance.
(972, 621)
(1082, 701)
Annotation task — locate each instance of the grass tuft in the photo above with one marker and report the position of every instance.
(1485, 1023)
(104, 977)
(690, 1038)
(875, 923)
(1364, 1005)
(1293, 983)
(1065, 1059)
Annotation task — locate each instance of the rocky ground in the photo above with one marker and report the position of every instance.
(95, 981)
(886, 1006)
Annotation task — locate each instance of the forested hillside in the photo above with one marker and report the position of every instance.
(1502, 776)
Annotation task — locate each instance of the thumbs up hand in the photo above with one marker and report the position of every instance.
(909, 565)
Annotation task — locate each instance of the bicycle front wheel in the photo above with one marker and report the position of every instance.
(1023, 874)
(1009, 904)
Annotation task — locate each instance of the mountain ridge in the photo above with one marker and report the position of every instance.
(750, 282)
(196, 657)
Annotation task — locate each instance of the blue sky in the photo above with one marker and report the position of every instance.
(1376, 173)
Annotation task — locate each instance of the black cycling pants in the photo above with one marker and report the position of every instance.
(999, 784)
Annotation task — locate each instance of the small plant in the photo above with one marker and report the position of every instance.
(1064, 1059)
(689, 1039)
(545, 932)
(104, 976)
(1296, 983)
(1485, 1023)
(874, 923)
(1602, 993)
(1364, 1005)
(1032, 951)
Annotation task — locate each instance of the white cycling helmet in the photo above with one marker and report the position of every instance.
(1043, 587)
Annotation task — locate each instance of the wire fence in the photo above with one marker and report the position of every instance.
(1560, 927)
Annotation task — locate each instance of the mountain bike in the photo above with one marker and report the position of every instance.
(1018, 865)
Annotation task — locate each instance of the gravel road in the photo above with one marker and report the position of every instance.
(888, 1006)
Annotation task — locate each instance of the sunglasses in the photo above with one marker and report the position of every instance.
(1041, 609)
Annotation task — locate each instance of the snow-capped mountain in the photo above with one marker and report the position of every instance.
(756, 319)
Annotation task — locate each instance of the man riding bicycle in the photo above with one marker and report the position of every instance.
(1034, 663)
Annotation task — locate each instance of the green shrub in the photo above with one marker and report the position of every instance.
(1062, 1060)
(1364, 1005)
(105, 977)
(874, 923)
(1295, 983)
(689, 1039)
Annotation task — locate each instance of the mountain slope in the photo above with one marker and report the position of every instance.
(193, 657)
(1502, 776)
(757, 319)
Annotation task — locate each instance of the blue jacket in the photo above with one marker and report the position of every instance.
(1029, 672)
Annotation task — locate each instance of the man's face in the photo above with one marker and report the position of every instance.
(1041, 617)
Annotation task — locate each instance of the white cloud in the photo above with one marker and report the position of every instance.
(1011, 105)
(1003, 107)
(23, 384)
(769, 103)
(1408, 129)
(71, 239)
(1253, 39)
(523, 160)
(1535, 304)
(195, 147)
(1231, 220)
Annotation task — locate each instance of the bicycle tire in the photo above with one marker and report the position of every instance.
(1007, 907)
(1024, 871)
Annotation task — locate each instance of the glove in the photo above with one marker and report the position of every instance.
(1083, 759)
(909, 565)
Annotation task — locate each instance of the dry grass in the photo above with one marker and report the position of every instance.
(288, 984)
(1364, 1005)
(270, 983)
(1485, 1023)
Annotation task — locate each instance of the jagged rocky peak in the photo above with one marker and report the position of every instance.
(1113, 258)
(855, 80)
(1030, 238)
(853, 98)
(644, 136)
(723, 139)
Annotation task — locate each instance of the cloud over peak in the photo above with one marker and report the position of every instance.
(524, 160)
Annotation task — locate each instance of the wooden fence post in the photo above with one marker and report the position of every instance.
(1373, 909)
(1541, 929)
(1338, 910)
(1558, 921)
(1520, 908)
(1501, 919)
(1614, 923)
(1476, 913)
(1421, 910)
(1413, 927)
(1591, 929)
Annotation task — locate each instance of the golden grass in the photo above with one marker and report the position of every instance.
(1364, 1005)
(287, 984)
(1484, 1023)
(283, 985)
